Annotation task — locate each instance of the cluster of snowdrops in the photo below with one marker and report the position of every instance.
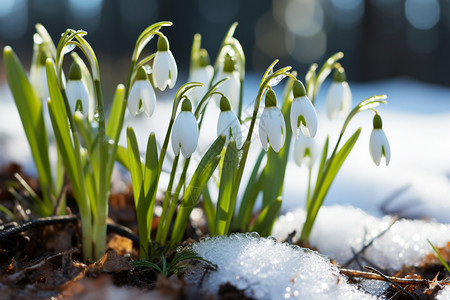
(87, 139)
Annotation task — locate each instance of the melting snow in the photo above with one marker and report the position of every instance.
(338, 229)
(267, 269)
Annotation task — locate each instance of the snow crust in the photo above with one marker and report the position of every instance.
(339, 229)
(444, 294)
(267, 269)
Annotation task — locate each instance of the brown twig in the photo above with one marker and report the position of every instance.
(391, 281)
(119, 229)
(378, 276)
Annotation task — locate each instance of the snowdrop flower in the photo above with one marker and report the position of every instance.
(228, 124)
(272, 127)
(185, 131)
(77, 91)
(202, 73)
(379, 144)
(230, 87)
(38, 77)
(339, 98)
(303, 113)
(142, 95)
(165, 71)
(305, 150)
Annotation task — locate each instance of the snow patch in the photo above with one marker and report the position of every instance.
(339, 229)
(267, 269)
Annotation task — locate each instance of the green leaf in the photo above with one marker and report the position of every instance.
(30, 110)
(138, 193)
(201, 176)
(225, 205)
(146, 264)
(323, 185)
(264, 223)
(439, 256)
(254, 186)
(59, 118)
(114, 115)
(209, 209)
(151, 178)
(122, 157)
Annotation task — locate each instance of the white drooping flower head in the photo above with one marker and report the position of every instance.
(185, 131)
(305, 150)
(77, 92)
(303, 113)
(203, 73)
(231, 87)
(379, 144)
(339, 98)
(141, 96)
(165, 71)
(272, 127)
(38, 77)
(228, 124)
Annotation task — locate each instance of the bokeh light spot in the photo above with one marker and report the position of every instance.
(304, 17)
(422, 14)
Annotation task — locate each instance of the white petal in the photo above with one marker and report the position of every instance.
(203, 75)
(161, 70)
(339, 100)
(263, 134)
(133, 99)
(301, 144)
(227, 120)
(303, 107)
(173, 70)
(77, 90)
(148, 97)
(275, 127)
(230, 88)
(185, 134)
(378, 141)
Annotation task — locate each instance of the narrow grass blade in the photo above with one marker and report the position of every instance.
(254, 186)
(201, 176)
(225, 207)
(439, 256)
(112, 125)
(264, 223)
(31, 114)
(151, 178)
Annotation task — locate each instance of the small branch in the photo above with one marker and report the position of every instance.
(368, 244)
(119, 229)
(378, 276)
(391, 281)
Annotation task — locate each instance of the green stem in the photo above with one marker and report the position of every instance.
(241, 98)
(173, 204)
(82, 199)
(104, 183)
(167, 199)
(308, 193)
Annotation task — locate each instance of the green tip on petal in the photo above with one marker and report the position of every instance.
(203, 60)
(339, 75)
(141, 74)
(229, 64)
(377, 122)
(298, 89)
(42, 58)
(186, 106)
(75, 71)
(163, 44)
(225, 104)
(271, 98)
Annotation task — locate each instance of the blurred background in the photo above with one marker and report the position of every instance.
(381, 39)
